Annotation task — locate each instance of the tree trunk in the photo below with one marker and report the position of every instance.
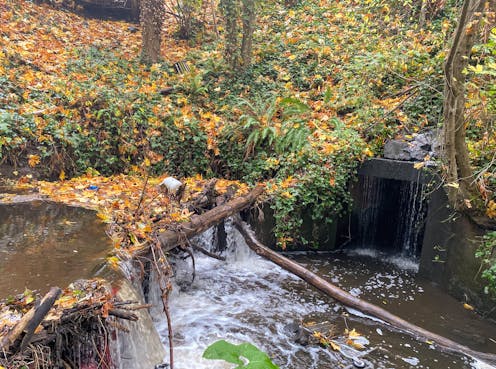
(456, 155)
(248, 29)
(423, 13)
(152, 14)
(230, 10)
(354, 302)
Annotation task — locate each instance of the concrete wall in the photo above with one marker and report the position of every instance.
(449, 242)
(450, 239)
(448, 253)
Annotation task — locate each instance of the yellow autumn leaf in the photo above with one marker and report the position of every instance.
(353, 333)
(62, 175)
(419, 165)
(113, 261)
(33, 160)
(491, 209)
(355, 344)
(468, 307)
(453, 184)
(368, 152)
(335, 346)
(286, 194)
(105, 217)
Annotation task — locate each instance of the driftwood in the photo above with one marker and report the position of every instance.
(347, 299)
(200, 223)
(20, 336)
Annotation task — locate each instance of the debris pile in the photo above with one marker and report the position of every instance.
(65, 329)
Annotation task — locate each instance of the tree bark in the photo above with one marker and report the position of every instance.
(230, 12)
(200, 223)
(356, 303)
(20, 336)
(152, 14)
(456, 154)
(248, 29)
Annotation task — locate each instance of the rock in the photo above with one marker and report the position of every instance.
(297, 333)
(417, 151)
(397, 150)
(416, 148)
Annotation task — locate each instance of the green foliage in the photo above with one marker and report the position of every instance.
(485, 252)
(186, 13)
(481, 131)
(106, 126)
(309, 168)
(487, 70)
(237, 354)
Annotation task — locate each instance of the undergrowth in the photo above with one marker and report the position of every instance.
(330, 83)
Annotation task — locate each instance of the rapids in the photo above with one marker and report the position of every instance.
(249, 299)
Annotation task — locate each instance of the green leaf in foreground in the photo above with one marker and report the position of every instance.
(223, 350)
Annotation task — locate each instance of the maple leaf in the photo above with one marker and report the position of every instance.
(33, 160)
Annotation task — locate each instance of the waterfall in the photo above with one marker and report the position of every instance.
(390, 215)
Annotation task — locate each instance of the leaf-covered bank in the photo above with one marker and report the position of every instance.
(329, 83)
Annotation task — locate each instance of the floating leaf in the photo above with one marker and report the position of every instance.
(335, 346)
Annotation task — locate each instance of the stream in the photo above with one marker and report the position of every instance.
(249, 299)
(45, 244)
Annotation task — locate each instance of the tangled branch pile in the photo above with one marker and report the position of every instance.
(72, 331)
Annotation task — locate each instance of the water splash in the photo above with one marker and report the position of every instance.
(247, 298)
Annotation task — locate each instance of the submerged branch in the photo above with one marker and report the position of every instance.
(421, 334)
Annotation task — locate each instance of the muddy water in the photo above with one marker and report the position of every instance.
(250, 299)
(46, 244)
(392, 284)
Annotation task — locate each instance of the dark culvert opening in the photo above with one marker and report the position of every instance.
(388, 215)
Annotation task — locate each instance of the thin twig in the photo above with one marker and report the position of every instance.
(190, 253)
(142, 194)
(162, 267)
(208, 253)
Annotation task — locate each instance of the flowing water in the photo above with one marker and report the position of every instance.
(46, 244)
(391, 215)
(247, 298)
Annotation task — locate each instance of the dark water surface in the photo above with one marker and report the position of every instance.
(45, 244)
(381, 281)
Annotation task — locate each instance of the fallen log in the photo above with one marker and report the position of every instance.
(200, 223)
(349, 300)
(20, 336)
